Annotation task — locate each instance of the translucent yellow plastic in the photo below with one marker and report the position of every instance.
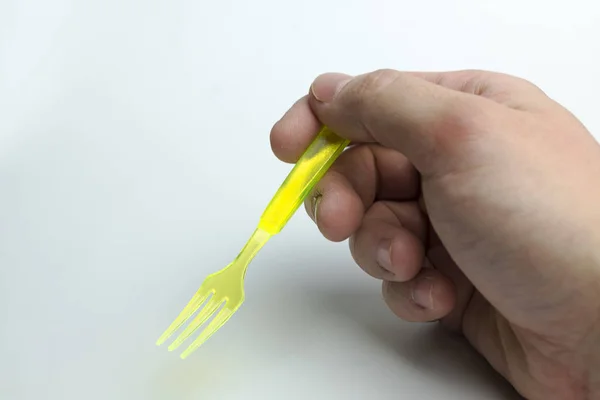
(222, 292)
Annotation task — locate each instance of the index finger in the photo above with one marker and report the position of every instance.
(430, 124)
(292, 134)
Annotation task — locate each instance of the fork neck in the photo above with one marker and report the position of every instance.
(254, 244)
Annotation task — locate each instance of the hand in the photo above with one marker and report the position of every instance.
(476, 199)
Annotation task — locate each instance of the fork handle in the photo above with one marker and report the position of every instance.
(309, 169)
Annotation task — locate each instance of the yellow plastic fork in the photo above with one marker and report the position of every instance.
(223, 291)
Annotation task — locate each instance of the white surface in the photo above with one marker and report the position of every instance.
(119, 192)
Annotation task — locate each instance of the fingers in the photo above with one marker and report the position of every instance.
(292, 134)
(428, 297)
(390, 241)
(389, 245)
(359, 177)
(441, 260)
(335, 207)
(428, 123)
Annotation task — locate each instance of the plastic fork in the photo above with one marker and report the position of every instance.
(222, 293)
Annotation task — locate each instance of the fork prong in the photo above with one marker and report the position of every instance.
(193, 306)
(201, 318)
(211, 328)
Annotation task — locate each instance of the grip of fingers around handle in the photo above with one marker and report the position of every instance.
(309, 169)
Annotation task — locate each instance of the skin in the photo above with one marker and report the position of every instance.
(474, 197)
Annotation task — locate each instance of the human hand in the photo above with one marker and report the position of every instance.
(475, 198)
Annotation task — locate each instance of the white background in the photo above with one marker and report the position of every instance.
(134, 160)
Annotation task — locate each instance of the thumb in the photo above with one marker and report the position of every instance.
(426, 122)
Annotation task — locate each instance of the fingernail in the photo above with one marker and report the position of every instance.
(327, 86)
(315, 206)
(422, 292)
(383, 255)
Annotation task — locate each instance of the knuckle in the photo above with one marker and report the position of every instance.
(507, 78)
(458, 122)
(511, 83)
(369, 86)
(457, 117)
(376, 81)
(381, 77)
(530, 86)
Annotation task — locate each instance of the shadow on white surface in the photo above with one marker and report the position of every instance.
(329, 343)
(443, 356)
